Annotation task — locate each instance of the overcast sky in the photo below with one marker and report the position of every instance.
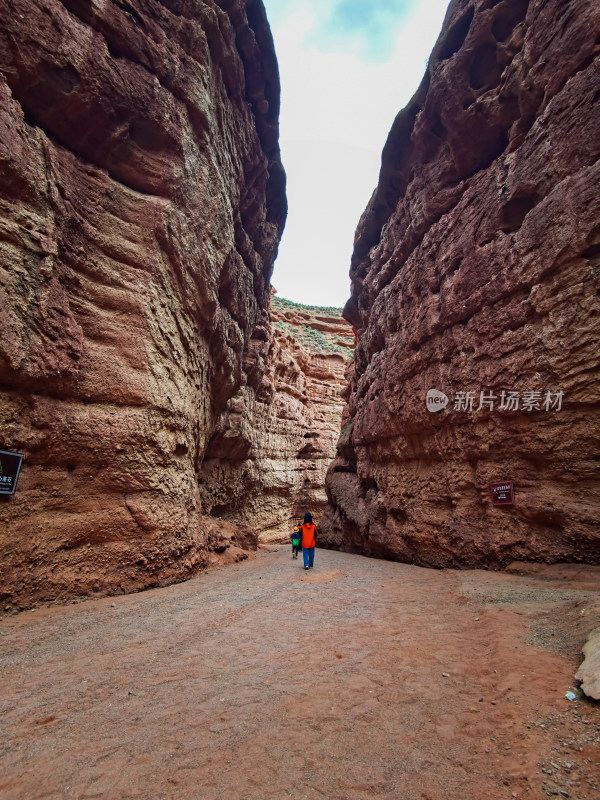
(347, 67)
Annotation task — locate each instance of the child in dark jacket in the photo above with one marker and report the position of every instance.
(296, 538)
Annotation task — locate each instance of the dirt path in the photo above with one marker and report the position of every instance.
(361, 679)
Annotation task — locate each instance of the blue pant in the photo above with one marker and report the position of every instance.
(309, 556)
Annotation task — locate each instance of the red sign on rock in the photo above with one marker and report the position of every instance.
(502, 493)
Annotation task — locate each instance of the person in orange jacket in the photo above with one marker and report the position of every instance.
(309, 540)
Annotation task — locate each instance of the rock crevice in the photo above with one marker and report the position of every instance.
(273, 444)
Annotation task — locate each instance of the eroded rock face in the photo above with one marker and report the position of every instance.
(142, 204)
(589, 671)
(476, 269)
(267, 462)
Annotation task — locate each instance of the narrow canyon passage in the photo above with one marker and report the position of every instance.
(364, 678)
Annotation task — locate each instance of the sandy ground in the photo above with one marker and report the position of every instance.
(359, 679)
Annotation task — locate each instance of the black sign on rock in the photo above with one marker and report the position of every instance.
(10, 466)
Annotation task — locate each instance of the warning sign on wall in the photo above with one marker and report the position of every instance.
(503, 493)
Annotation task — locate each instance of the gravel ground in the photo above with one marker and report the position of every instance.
(359, 679)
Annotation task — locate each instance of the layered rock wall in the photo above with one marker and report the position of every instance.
(267, 462)
(142, 202)
(476, 270)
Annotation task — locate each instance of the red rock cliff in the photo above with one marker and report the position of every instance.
(476, 269)
(266, 464)
(142, 205)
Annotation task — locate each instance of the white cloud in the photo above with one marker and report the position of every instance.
(336, 111)
(326, 195)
